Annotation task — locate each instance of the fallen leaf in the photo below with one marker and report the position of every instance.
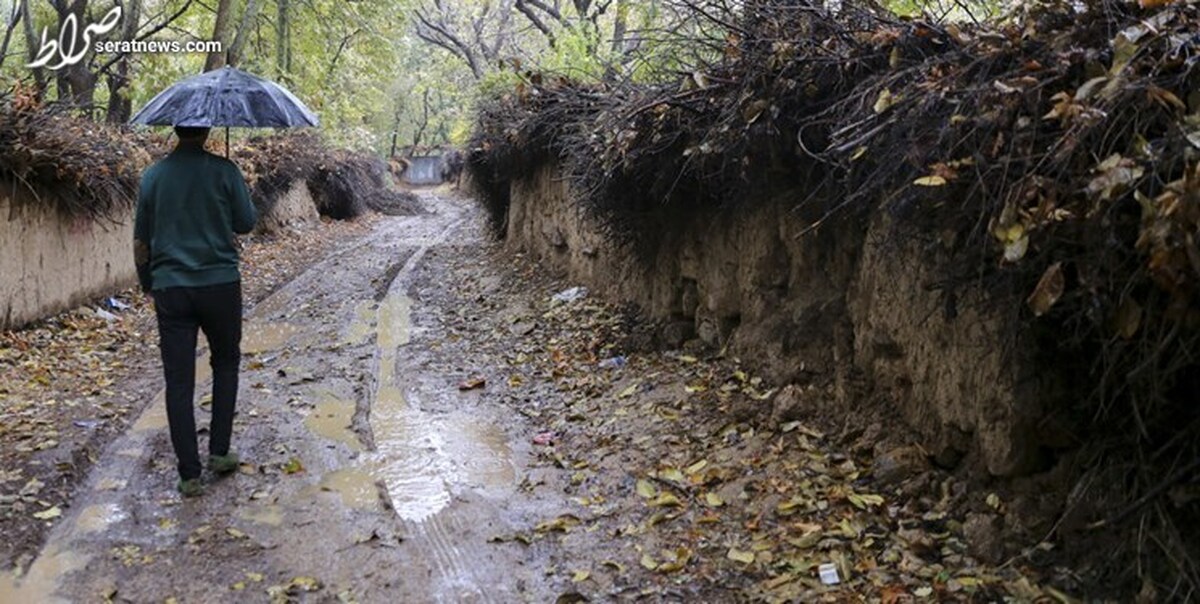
(738, 555)
(48, 513)
(930, 181)
(1048, 290)
(646, 489)
(293, 466)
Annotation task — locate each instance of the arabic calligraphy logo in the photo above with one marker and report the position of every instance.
(71, 47)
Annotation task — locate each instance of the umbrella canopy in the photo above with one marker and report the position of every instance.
(226, 97)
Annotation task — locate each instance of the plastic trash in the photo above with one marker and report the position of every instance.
(104, 314)
(571, 295)
(117, 304)
(829, 574)
(616, 362)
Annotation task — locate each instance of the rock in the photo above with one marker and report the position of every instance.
(676, 333)
(983, 537)
(522, 328)
(788, 405)
(899, 464)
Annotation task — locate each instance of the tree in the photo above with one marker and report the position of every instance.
(220, 34)
(12, 19)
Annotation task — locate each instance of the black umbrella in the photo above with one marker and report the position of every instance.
(226, 97)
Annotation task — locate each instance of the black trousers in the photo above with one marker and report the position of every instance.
(217, 309)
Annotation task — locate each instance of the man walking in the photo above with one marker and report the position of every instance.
(189, 206)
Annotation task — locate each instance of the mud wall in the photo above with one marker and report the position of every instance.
(49, 264)
(294, 210)
(809, 306)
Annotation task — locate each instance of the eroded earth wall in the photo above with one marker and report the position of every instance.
(805, 306)
(49, 263)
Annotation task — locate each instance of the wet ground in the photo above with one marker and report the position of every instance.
(367, 476)
(422, 421)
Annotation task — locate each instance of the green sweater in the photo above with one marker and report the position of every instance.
(189, 206)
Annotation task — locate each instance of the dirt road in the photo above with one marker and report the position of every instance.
(367, 474)
(425, 417)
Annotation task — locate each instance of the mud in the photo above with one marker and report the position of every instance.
(352, 452)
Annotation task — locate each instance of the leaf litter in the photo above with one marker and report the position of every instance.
(685, 497)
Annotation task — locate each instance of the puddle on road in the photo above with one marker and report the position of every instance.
(96, 518)
(44, 576)
(363, 325)
(356, 488)
(420, 456)
(259, 337)
(155, 416)
(332, 418)
(267, 514)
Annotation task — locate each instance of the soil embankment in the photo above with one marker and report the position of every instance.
(985, 231)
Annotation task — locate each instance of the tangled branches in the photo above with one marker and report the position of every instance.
(344, 183)
(78, 167)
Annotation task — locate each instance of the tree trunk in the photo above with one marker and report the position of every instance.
(620, 26)
(14, 19)
(243, 32)
(31, 47)
(80, 81)
(120, 106)
(215, 60)
(283, 38)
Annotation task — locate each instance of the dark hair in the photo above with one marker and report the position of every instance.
(191, 132)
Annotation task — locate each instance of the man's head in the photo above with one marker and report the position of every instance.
(191, 134)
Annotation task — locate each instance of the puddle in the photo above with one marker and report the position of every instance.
(260, 337)
(155, 416)
(356, 487)
(41, 582)
(332, 418)
(96, 518)
(421, 456)
(363, 325)
(269, 515)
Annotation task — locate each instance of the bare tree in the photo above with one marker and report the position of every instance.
(10, 24)
(475, 38)
(120, 107)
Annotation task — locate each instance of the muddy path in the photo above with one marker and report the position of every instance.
(367, 476)
(426, 416)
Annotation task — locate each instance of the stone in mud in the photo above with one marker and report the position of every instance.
(676, 333)
(789, 405)
(899, 464)
(984, 538)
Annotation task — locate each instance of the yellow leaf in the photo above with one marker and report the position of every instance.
(666, 500)
(738, 555)
(696, 467)
(305, 584)
(648, 562)
(930, 181)
(885, 101)
(580, 576)
(646, 489)
(713, 500)
(48, 513)
(629, 390)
